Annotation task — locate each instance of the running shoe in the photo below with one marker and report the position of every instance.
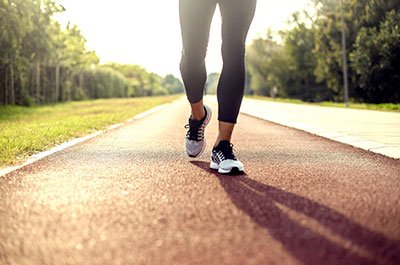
(224, 160)
(194, 141)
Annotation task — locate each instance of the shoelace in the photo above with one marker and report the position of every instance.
(195, 132)
(227, 151)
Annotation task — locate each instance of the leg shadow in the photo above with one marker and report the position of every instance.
(261, 202)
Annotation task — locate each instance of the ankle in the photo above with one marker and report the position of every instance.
(220, 140)
(198, 111)
(198, 115)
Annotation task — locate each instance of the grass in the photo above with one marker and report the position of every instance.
(28, 130)
(381, 107)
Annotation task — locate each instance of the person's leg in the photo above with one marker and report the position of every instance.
(237, 16)
(225, 130)
(195, 19)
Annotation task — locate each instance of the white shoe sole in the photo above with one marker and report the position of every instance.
(221, 170)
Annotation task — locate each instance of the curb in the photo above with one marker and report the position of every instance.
(39, 156)
(366, 145)
(355, 141)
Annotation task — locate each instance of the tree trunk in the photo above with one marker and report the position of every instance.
(61, 91)
(46, 82)
(81, 81)
(37, 96)
(57, 82)
(6, 86)
(78, 88)
(12, 84)
(67, 90)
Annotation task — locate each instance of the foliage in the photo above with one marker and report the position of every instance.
(172, 84)
(143, 83)
(308, 63)
(260, 60)
(41, 62)
(212, 83)
(102, 82)
(376, 60)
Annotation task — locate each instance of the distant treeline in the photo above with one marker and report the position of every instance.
(40, 62)
(308, 63)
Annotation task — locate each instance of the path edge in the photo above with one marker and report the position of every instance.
(356, 142)
(58, 148)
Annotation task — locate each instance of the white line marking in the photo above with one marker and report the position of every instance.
(150, 111)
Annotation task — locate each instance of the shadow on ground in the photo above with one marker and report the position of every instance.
(265, 204)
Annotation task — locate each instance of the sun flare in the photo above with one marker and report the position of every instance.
(147, 33)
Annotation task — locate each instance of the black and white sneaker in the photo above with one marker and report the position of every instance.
(195, 142)
(224, 160)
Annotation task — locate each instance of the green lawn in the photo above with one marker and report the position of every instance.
(382, 107)
(28, 130)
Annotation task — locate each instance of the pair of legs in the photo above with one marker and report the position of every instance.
(195, 18)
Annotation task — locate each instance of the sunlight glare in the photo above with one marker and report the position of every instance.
(147, 33)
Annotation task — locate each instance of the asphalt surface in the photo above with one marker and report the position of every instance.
(131, 196)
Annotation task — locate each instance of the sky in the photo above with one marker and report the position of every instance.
(147, 32)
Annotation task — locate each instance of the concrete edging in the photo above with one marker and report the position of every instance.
(36, 157)
(368, 145)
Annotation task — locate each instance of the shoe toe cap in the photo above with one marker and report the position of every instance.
(193, 148)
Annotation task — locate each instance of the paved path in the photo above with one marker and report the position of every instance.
(130, 196)
(376, 131)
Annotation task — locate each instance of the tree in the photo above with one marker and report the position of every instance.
(371, 29)
(212, 83)
(172, 84)
(259, 57)
(376, 60)
(299, 45)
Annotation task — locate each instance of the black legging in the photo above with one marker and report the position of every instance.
(195, 18)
